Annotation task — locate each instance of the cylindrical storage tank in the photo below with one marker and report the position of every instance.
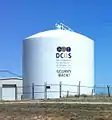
(56, 56)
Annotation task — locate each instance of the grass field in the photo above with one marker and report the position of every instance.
(56, 111)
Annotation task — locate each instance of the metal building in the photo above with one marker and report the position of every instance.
(11, 88)
(59, 55)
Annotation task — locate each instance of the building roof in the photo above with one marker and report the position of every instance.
(11, 78)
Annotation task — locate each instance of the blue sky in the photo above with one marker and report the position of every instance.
(22, 18)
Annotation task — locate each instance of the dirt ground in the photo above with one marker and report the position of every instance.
(42, 111)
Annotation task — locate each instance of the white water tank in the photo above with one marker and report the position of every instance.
(58, 55)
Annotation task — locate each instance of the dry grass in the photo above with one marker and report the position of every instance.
(55, 112)
(86, 99)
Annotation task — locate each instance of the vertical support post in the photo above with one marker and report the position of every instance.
(16, 93)
(32, 91)
(67, 93)
(1, 92)
(108, 88)
(79, 89)
(92, 92)
(45, 90)
(60, 89)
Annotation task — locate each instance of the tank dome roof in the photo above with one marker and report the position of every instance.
(56, 33)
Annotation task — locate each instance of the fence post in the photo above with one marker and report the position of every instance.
(32, 91)
(16, 93)
(1, 92)
(67, 93)
(79, 89)
(45, 90)
(108, 88)
(60, 89)
(92, 92)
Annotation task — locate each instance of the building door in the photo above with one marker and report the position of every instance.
(8, 92)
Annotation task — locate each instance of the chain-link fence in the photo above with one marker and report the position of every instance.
(60, 90)
(47, 91)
